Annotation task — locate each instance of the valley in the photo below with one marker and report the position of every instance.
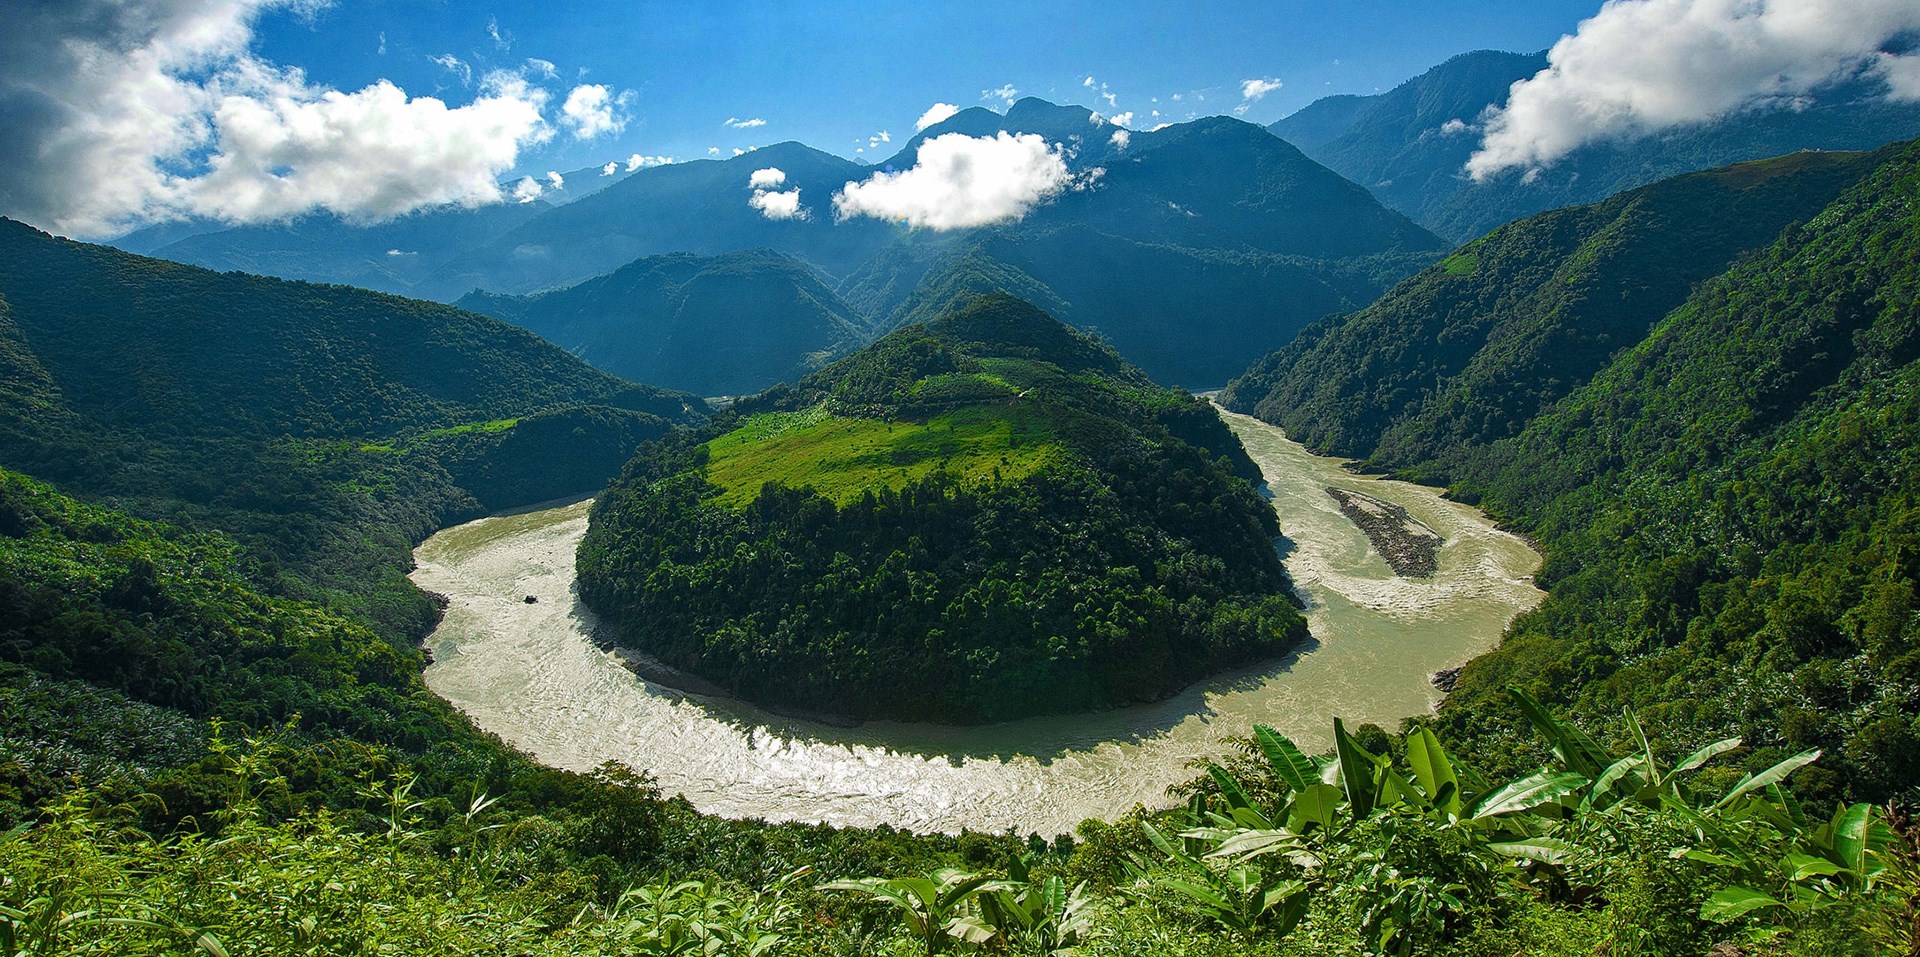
(534, 674)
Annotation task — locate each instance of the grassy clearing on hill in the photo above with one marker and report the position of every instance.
(843, 458)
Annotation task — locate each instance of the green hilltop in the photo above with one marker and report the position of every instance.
(984, 517)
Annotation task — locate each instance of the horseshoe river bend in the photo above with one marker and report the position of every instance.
(531, 673)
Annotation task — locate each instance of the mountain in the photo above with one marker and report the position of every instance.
(394, 256)
(1196, 245)
(1086, 137)
(985, 517)
(1727, 505)
(698, 207)
(326, 428)
(731, 324)
(1410, 145)
(1472, 349)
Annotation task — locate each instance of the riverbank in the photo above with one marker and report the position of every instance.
(532, 673)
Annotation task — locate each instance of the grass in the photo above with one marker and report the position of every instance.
(842, 458)
(1462, 264)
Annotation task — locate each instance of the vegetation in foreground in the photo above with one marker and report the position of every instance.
(983, 518)
(1727, 507)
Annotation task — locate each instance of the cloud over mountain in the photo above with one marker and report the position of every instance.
(960, 182)
(123, 112)
(1639, 66)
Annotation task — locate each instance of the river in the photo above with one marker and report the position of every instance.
(530, 673)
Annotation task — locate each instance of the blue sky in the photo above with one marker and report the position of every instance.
(833, 74)
(121, 113)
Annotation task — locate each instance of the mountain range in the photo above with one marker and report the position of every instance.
(1410, 144)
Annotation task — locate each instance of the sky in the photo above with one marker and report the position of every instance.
(119, 113)
(834, 74)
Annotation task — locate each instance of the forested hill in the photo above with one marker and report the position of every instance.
(731, 324)
(1728, 509)
(988, 516)
(1470, 350)
(324, 427)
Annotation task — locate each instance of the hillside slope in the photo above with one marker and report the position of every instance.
(1728, 510)
(324, 427)
(731, 324)
(1470, 350)
(982, 518)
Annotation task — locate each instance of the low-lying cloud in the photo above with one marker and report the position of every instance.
(769, 199)
(1640, 66)
(961, 182)
(123, 112)
(937, 113)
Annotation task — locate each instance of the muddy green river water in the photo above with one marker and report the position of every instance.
(530, 673)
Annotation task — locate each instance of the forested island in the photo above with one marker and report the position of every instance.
(980, 518)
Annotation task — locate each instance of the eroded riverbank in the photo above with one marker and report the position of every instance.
(531, 673)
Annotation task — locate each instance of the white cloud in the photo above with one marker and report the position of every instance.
(1006, 94)
(555, 180)
(637, 161)
(456, 66)
(1122, 119)
(1453, 126)
(1257, 88)
(383, 43)
(713, 151)
(401, 252)
(527, 190)
(960, 182)
(592, 110)
(937, 113)
(610, 169)
(740, 124)
(1121, 139)
(544, 68)
(769, 178)
(778, 205)
(885, 137)
(1639, 66)
(1088, 83)
(737, 151)
(502, 40)
(122, 113)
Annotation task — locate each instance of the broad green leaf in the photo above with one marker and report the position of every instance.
(1356, 770)
(1576, 750)
(1293, 767)
(1733, 903)
(1772, 775)
(1708, 753)
(1229, 788)
(1546, 850)
(1799, 867)
(1434, 770)
(1851, 829)
(1531, 792)
(1250, 844)
(1315, 805)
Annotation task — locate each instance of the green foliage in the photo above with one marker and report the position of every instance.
(1058, 534)
(731, 324)
(1725, 505)
(325, 429)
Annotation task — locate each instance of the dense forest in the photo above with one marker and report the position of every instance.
(327, 429)
(981, 518)
(1726, 506)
